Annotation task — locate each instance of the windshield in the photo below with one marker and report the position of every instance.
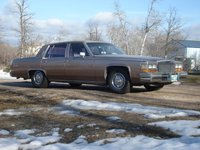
(104, 49)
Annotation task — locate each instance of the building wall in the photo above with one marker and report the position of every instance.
(194, 55)
(193, 52)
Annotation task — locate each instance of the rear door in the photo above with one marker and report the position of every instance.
(54, 61)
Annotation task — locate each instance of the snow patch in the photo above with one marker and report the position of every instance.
(80, 126)
(5, 75)
(147, 111)
(65, 111)
(139, 142)
(129, 143)
(11, 112)
(4, 132)
(181, 127)
(91, 125)
(116, 131)
(23, 140)
(68, 130)
(113, 118)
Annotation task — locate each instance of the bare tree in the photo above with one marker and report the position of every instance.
(62, 34)
(153, 19)
(94, 32)
(118, 31)
(7, 53)
(24, 28)
(173, 27)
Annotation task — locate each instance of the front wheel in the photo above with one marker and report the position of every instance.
(153, 87)
(118, 81)
(39, 80)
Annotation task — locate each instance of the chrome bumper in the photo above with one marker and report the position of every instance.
(161, 78)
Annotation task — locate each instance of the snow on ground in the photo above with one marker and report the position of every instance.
(28, 139)
(23, 139)
(113, 118)
(128, 143)
(5, 75)
(20, 111)
(68, 130)
(116, 131)
(65, 111)
(147, 111)
(181, 127)
(10, 112)
(4, 132)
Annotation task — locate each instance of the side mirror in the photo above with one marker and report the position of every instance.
(82, 54)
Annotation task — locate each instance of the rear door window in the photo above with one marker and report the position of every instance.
(56, 51)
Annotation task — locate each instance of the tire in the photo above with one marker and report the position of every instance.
(39, 80)
(74, 85)
(153, 87)
(118, 81)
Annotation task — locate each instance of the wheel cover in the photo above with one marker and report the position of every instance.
(38, 78)
(118, 80)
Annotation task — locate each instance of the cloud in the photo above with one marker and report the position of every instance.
(193, 32)
(53, 22)
(102, 17)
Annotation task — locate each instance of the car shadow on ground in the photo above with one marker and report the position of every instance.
(58, 85)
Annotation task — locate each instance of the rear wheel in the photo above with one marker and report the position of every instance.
(39, 80)
(153, 87)
(118, 81)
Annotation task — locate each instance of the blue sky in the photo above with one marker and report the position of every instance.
(84, 9)
(50, 14)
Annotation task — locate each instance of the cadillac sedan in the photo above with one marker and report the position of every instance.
(82, 62)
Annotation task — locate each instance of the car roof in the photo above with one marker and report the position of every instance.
(64, 42)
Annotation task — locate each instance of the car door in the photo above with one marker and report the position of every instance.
(54, 61)
(79, 68)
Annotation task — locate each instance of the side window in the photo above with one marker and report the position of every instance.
(76, 48)
(57, 50)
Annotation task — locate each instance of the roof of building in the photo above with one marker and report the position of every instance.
(189, 43)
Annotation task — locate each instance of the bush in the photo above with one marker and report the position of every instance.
(6, 69)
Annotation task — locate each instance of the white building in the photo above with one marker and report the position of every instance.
(186, 51)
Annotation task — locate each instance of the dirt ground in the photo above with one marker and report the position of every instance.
(15, 94)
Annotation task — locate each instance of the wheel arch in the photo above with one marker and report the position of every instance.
(117, 67)
(32, 71)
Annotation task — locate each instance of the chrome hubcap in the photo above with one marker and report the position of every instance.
(118, 80)
(38, 78)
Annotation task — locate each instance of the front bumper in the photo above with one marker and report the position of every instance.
(161, 78)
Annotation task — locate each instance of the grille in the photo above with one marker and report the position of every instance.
(166, 67)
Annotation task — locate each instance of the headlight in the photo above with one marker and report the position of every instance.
(178, 67)
(149, 67)
(152, 66)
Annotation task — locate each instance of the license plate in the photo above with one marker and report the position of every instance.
(174, 78)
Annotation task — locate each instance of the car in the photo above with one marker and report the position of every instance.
(92, 62)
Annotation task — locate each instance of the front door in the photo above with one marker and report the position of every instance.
(79, 68)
